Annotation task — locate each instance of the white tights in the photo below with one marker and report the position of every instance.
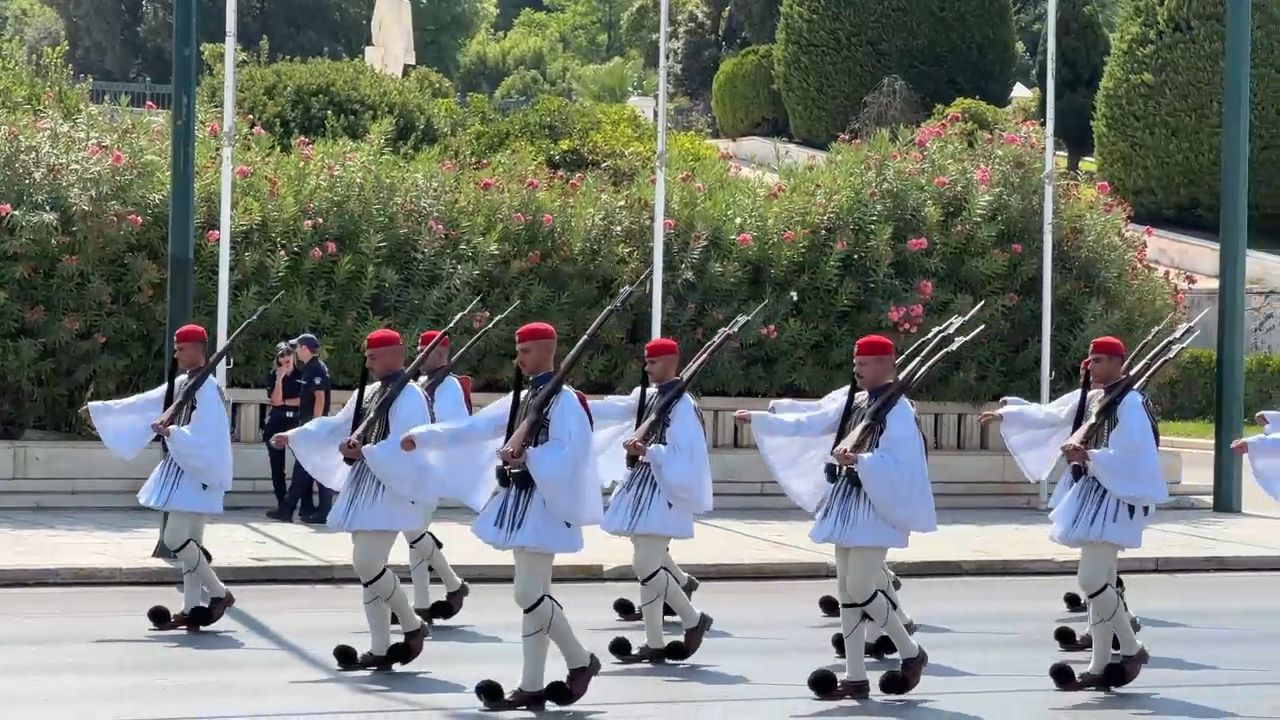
(864, 590)
(425, 556)
(545, 620)
(183, 535)
(1107, 616)
(658, 585)
(382, 593)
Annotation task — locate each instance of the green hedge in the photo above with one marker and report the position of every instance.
(336, 98)
(360, 236)
(1158, 122)
(743, 96)
(1184, 390)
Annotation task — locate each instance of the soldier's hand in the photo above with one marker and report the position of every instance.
(279, 441)
(635, 447)
(1075, 453)
(160, 429)
(988, 417)
(845, 457)
(743, 416)
(1240, 447)
(511, 456)
(408, 444)
(350, 449)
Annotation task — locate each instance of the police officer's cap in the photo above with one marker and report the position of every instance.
(306, 340)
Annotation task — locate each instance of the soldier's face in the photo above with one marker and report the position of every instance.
(1105, 369)
(872, 372)
(438, 357)
(384, 361)
(189, 355)
(661, 369)
(535, 357)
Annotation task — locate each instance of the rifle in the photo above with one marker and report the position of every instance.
(384, 402)
(520, 436)
(1128, 363)
(859, 438)
(188, 393)
(657, 416)
(1140, 374)
(436, 376)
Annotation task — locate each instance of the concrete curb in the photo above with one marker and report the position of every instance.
(1174, 443)
(161, 573)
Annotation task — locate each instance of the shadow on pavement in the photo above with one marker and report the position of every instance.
(460, 633)
(205, 640)
(909, 709)
(1151, 705)
(701, 674)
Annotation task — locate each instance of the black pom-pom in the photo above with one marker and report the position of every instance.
(885, 645)
(346, 656)
(897, 584)
(624, 606)
(1114, 675)
(837, 643)
(1119, 583)
(829, 606)
(559, 693)
(200, 616)
(893, 682)
(1062, 674)
(620, 647)
(1065, 636)
(1115, 643)
(398, 653)
(676, 651)
(441, 610)
(1073, 601)
(489, 691)
(823, 682)
(159, 615)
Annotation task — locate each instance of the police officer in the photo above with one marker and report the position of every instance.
(313, 402)
(283, 392)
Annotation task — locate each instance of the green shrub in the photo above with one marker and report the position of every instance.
(521, 85)
(335, 98)
(743, 95)
(980, 115)
(1184, 389)
(1082, 54)
(834, 52)
(1158, 122)
(362, 236)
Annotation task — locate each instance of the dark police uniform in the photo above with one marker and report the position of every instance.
(314, 379)
(281, 418)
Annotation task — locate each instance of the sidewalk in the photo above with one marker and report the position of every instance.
(66, 547)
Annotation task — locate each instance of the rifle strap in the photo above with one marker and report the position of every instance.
(358, 416)
(517, 385)
(847, 413)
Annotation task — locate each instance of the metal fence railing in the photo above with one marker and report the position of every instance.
(131, 94)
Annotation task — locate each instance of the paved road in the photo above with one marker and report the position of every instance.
(1197, 467)
(87, 653)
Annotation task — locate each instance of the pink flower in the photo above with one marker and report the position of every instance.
(744, 239)
(575, 183)
(117, 158)
(941, 182)
(1108, 206)
(726, 155)
(480, 319)
(925, 289)
(518, 218)
(918, 244)
(258, 131)
(134, 219)
(5, 210)
(668, 224)
(769, 331)
(1180, 298)
(700, 187)
(532, 183)
(214, 129)
(1011, 139)
(100, 338)
(447, 166)
(69, 260)
(686, 177)
(903, 327)
(487, 184)
(435, 228)
(1016, 248)
(789, 236)
(548, 220)
(243, 172)
(982, 175)
(954, 117)
(916, 157)
(35, 314)
(894, 314)
(842, 245)
(1012, 298)
(330, 247)
(734, 169)
(308, 224)
(212, 237)
(315, 253)
(916, 310)
(535, 258)
(93, 150)
(148, 106)
(1103, 188)
(1148, 231)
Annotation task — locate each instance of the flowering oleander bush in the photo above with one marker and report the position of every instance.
(891, 235)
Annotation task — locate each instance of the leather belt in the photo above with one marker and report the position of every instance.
(836, 472)
(520, 477)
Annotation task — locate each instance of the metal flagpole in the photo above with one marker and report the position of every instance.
(660, 172)
(228, 149)
(1050, 156)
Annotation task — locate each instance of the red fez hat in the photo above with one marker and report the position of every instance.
(1107, 346)
(662, 347)
(383, 338)
(535, 331)
(191, 334)
(873, 346)
(425, 339)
